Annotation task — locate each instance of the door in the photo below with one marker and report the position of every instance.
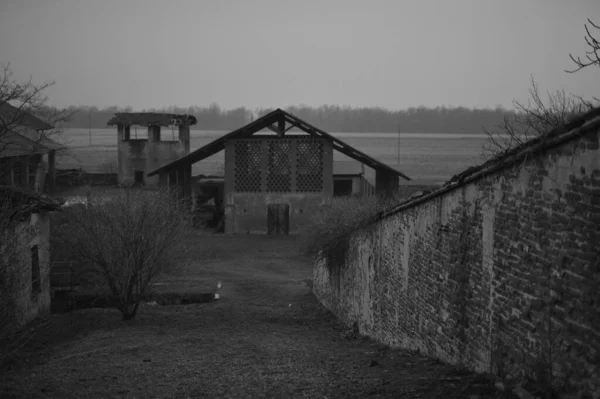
(139, 177)
(278, 219)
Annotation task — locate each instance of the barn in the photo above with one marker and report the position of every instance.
(278, 170)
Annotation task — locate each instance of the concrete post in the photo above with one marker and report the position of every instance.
(184, 137)
(327, 168)
(153, 134)
(51, 172)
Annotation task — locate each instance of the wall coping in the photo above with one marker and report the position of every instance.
(578, 127)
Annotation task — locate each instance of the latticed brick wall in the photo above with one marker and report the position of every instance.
(281, 165)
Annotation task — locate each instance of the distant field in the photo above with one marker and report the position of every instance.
(434, 157)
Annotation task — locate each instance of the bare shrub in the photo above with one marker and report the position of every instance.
(533, 120)
(129, 240)
(334, 222)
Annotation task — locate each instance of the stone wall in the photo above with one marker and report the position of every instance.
(499, 272)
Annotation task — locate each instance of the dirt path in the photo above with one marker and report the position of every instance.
(267, 337)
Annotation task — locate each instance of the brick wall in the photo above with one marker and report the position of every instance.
(498, 274)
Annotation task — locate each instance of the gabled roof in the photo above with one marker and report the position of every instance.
(151, 118)
(20, 204)
(280, 122)
(13, 116)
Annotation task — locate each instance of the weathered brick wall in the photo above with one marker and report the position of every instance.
(500, 275)
(20, 305)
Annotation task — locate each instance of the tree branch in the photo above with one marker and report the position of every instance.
(592, 56)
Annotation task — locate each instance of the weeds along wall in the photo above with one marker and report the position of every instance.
(499, 273)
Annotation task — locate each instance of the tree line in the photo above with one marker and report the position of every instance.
(332, 118)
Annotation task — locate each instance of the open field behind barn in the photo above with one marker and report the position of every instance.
(431, 157)
(267, 337)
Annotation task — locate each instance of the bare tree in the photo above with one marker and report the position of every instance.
(128, 240)
(535, 119)
(592, 56)
(27, 123)
(20, 101)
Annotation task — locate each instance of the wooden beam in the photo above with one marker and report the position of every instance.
(281, 126)
(273, 129)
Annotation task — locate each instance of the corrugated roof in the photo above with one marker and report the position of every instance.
(151, 118)
(13, 116)
(271, 120)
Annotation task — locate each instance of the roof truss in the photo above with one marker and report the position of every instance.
(279, 122)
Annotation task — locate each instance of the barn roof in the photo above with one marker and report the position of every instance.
(20, 204)
(280, 122)
(11, 116)
(151, 118)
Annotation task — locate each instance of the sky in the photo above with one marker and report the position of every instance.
(394, 54)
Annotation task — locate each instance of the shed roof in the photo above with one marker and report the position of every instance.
(280, 122)
(11, 116)
(20, 204)
(151, 119)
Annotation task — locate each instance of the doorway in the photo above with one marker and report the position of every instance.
(342, 188)
(278, 219)
(139, 177)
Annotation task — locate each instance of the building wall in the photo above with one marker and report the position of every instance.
(159, 154)
(131, 156)
(246, 212)
(17, 296)
(149, 154)
(501, 274)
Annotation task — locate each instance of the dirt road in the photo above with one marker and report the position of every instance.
(267, 337)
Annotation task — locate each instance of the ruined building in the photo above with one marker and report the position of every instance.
(143, 149)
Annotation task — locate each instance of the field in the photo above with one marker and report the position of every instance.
(431, 157)
(267, 337)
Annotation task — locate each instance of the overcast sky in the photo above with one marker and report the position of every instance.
(274, 53)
